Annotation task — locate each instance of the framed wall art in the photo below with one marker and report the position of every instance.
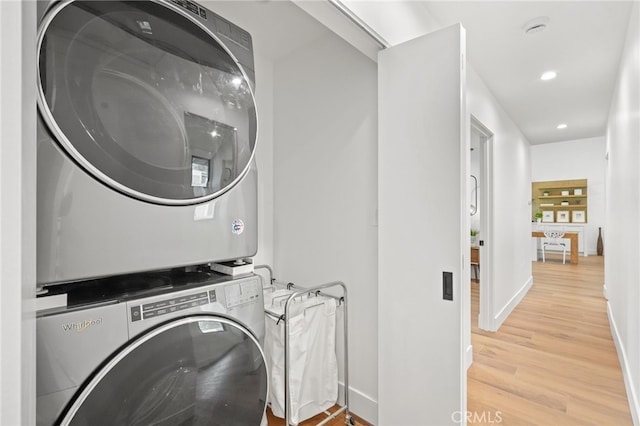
(547, 216)
(578, 216)
(562, 216)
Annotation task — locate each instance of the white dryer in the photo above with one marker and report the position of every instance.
(146, 138)
(176, 349)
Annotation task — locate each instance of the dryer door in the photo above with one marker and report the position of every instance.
(199, 370)
(146, 97)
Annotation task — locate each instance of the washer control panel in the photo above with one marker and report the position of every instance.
(242, 293)
(229, 295)
(175, 304)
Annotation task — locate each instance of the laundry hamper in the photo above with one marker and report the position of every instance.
(300, 349)
(313, 367)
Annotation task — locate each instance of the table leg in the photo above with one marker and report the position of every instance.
(574, 249)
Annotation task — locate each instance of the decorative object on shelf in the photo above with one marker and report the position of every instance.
(577, 191)
(474, 235)
(599, 246)
(547, 216)
(546, 205)
(577, 216)
(563, 193)
(564, 203)
(538, 217)
(545, 193)
(562, 216)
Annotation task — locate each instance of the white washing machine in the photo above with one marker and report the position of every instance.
(175, 349)
(146, 138)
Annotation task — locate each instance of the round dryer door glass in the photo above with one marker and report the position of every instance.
(146, 98)
(193, 371)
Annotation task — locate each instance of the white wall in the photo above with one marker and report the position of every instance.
(17, 212)
(576, 159)
(325, 182)
(264, 159)
(510, 238)
(622, 240)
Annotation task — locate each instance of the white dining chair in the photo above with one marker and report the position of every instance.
(554, 238)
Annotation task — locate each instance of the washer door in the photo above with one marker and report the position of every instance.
(203, 370)
(146, 99)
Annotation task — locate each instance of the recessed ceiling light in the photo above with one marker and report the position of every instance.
(562, 126)
(549, 75)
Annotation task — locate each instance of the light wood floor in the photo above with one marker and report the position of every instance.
(553, 362)
(338, 421)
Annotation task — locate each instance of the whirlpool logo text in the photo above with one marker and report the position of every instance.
(81, 326)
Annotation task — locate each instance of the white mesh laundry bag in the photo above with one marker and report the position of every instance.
(313, 367)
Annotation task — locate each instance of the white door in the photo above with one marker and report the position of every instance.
(423, 230)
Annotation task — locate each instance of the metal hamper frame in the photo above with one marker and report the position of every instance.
(317, 290)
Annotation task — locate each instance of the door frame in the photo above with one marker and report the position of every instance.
(486, 320)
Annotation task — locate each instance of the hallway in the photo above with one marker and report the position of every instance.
(553, 362)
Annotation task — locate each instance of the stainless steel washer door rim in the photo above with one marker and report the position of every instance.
(202, 369)
(203, 157)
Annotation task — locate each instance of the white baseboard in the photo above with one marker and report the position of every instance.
(468, 357)
(360, 404)
(511, 305)
(634, 407)
(604, 291)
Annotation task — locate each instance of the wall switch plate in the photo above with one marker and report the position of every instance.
(447, 285)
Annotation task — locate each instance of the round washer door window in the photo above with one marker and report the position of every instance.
(146, 99)
(203, 370)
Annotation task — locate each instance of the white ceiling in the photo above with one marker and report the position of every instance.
(582, 43)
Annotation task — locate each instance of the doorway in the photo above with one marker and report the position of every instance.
(481, 141)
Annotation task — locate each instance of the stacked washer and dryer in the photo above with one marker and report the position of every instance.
(146, 139)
